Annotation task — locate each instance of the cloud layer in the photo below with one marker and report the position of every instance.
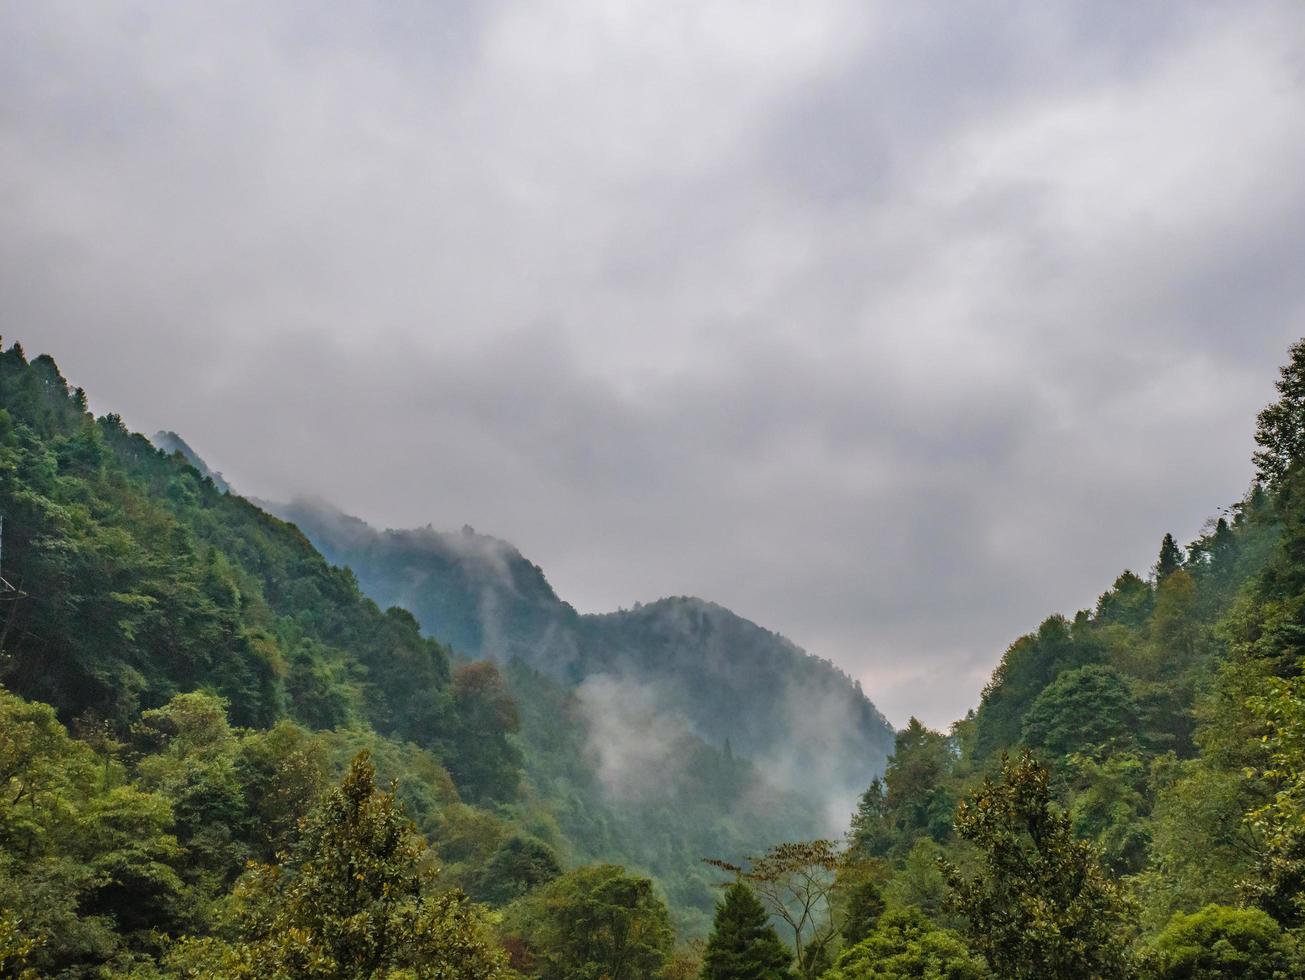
(893, 327)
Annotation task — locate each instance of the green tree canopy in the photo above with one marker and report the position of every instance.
(865, 904)
(1088, 710)
(907, 945)
(870, 835)
(919, 801)
(1280, 428)
(354, 899)
(1218, 942)
(1170, 559)
(1037, 905)
(519, 865)
(596, 923)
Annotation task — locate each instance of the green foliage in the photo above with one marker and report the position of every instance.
(595, 923)
(1279, 882)
(520, 865)
(905, 945)
(353, 899)
(1202, 845)
(483, 760)
(743, 944)
(1170, 560)
(797, 882)
(1110, 806)
(1031, 663)
(16, 943)
(1088, 710)
(143, 580)
(918, 882)
(914, 799)
(88, 863)
(1128, 603)
(919, 801)
(865, 904)
(1038, 905)
(1218, 942)
(1280, 428)
(871, 833)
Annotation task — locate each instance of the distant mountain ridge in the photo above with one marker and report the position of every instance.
(808, 723)
(170, 442)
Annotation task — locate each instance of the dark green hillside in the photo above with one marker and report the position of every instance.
(1132, 784)
(171, 443)
(143, 580)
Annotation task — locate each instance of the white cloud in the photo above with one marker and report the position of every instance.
(893, 327)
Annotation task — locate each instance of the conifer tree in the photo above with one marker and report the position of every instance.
(743, 944)
(1280, 428)
(865, 905)
(1171, 558)
(869, 833)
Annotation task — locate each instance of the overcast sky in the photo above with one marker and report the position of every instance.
(892, 326)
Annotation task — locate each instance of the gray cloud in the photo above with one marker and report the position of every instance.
(892, 327)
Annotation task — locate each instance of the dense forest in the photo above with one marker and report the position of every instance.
(220, 758)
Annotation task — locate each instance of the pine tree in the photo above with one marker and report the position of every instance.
(1280, 428)
(743, 945)
(1171, 558)
(869, 834)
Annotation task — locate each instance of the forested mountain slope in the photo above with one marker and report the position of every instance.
(1156, 823)
(137, 582)
(199, 716)
(804, 721)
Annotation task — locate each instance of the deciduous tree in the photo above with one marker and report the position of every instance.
(1038, 906)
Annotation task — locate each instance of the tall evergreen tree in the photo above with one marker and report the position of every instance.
(869, 834)
(1170, 560)
(743, 944)
(1280, 428)
(865, 905)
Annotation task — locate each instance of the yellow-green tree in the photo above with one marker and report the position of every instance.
(1038, 905)
(354, 899)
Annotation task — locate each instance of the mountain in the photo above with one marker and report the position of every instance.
(183, 677)
(146, 594)
(170, 443)
(728, 680)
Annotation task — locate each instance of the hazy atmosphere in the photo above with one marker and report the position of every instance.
(892, 327)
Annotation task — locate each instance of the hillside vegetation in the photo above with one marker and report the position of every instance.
(1131, 787)
(218, 758)
(144, 598)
